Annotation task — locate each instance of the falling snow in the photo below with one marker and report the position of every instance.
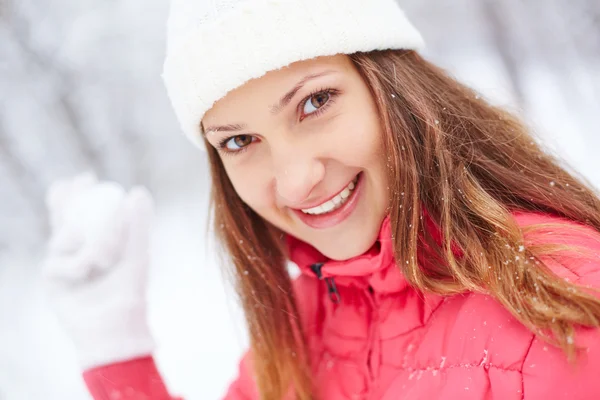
(570, 339)
(177, 258)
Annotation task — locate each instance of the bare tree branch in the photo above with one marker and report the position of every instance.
(24, 178)
(504, 44)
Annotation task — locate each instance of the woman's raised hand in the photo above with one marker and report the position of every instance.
(96, 267)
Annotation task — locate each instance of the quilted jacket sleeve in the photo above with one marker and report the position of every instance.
(547, 374)
(128, 380)
(244, 386)
(140, 379)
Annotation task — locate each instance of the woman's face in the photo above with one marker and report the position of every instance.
(302, 147)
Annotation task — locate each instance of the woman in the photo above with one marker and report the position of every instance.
(443, 254)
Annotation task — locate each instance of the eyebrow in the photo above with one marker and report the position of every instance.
(275, 108)
(220, 128)
(287, 98)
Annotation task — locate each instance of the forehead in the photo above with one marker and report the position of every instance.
(270, 87)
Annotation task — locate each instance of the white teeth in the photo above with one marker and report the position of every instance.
(328, 206)
(345, 193)
(335, 202)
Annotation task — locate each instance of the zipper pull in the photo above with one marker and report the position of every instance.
(332, 290)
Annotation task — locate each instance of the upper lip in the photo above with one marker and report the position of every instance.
(318, 202)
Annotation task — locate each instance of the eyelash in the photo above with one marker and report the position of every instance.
(222, 145)
(333, 93)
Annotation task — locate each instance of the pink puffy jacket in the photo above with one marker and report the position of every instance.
(372, 336)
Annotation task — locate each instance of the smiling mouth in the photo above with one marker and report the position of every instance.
(334, 203)
(335, 210)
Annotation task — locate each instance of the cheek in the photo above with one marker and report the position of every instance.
(252, 187)
(360, 139)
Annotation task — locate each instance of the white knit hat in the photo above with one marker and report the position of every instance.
(215, 46)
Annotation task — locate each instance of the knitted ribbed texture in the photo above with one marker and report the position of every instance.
(215, 46)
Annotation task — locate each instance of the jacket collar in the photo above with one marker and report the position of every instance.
(375, 268)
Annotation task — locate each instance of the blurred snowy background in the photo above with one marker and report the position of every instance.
(80, 90)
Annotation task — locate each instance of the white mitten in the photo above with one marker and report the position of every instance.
(96, 269)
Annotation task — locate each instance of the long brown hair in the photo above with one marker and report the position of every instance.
(465, 163)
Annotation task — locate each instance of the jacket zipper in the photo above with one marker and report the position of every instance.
(332, 290)
(334, 296)
(374, 327)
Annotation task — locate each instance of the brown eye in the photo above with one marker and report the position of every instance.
(238, 142)
(315, 102)
(319, 99)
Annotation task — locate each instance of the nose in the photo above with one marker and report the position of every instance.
(296, 175)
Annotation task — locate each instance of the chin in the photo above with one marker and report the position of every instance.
(348, 245)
